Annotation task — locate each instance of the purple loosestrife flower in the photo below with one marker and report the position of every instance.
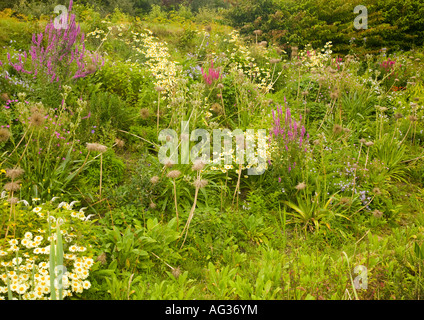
(63, 56)
(289, 136)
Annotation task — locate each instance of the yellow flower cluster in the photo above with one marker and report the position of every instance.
(25, 262)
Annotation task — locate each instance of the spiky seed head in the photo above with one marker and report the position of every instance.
(4, 135)
(174, 174)
(216, 107)
(337, 129)
(159, 89)
(363, 141)
(200, 183)
(12, 186)
(152, 205)
(257, 32)
(413, 118)
(144, 113)
(13, 200)
(37, 119)
(220, 86)
(176, 272)
(119, 143)
(14, 173)
(301, 186)
(154, 179)
(376, 191)
(169, 163)
(398, 116)
(5, 96)
(184, 137)
(198, 165)
(369, 143)
(102, 258)
(377, 213)
(96, 147)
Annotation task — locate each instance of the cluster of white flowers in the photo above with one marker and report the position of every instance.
(158, 61)
(257, 158)
(316, 58)
(25, 262)
(242, 61)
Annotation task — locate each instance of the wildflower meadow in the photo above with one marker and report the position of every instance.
(221, 150)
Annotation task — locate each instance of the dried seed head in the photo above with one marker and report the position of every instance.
(347, 130)
(317, 142)
(169, 163)
(369, 143)
(274, 61)
(413, 118)
(37, 119)
(263, 43)
(200, 183)
(376, 191)
(363, 141)
(176, 272)
(152, 205)
(398, 116)
(337, 129)
(154, 179)
(184, 137)
(96, 147)
(14, 173)
(5, 96)
(119, 143)
(220, 86)
(198, 165)
(344, 200)
(4, 135)
(377, 213)
(12, 186)
(174, 174)
(102, 258)
(208, 29)
(305, 93)
(144, 113)
(159, 89)
(334, 95)
(301, 186)
(13, 200)
(257, 32)
(216, 107)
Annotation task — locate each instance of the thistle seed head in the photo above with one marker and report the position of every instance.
(14, 173)
(96, 147)
(174, 174)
